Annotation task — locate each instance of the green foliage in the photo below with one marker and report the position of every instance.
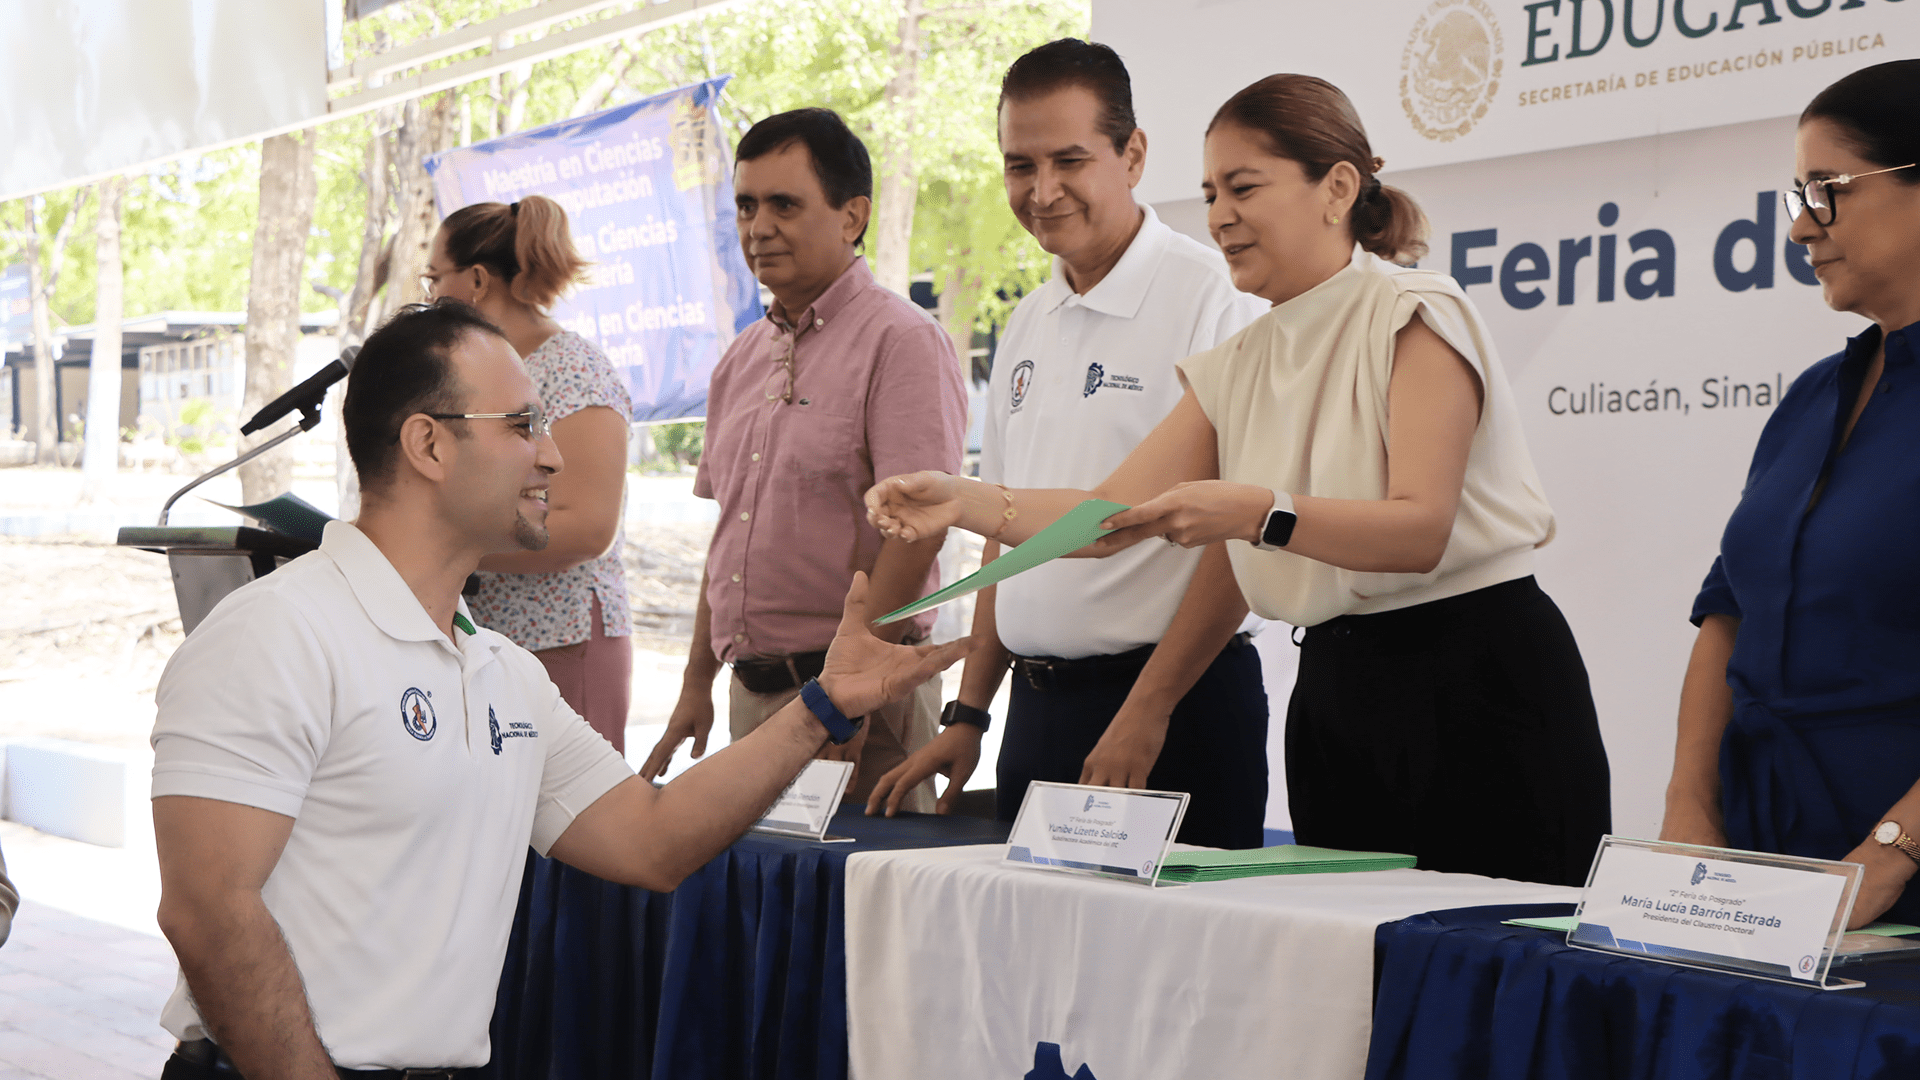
(188, 225)
(784, 54)
(195, 428)
(835, 53)
(681, 443)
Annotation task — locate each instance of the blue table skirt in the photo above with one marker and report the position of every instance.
(740, 972)
(1459, 995)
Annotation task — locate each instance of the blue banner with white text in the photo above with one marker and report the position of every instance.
(648, 191)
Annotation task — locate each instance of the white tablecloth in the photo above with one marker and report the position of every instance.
(960, 966)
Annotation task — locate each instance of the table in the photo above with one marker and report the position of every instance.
(961, 966)
(1463, 996)
(738, 973)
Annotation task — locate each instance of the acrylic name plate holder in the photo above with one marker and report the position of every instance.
(1118, 833)
(1776, 917)
(807, 806)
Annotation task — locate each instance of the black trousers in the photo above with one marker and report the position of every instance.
(1460, 731)
(1216, 747)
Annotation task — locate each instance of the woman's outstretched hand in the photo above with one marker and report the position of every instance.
(1193, 514)
(914, 506)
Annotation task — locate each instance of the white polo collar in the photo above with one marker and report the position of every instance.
(1124, 289)
(385, 596)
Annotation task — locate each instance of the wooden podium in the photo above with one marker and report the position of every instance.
(210, 562)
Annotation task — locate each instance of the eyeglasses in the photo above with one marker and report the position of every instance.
(536, 418)
(1817, 196)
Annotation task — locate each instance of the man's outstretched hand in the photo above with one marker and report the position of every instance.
(862, 672)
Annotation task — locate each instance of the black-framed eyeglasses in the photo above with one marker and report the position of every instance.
(1817, 196)
(535, 416)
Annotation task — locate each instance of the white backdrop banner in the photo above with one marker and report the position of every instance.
(1444, 81)
(1649, 309)
(93, 87)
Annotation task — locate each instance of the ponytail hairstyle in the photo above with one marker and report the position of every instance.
(1310, 121)
(526, 244)
(1877, 109)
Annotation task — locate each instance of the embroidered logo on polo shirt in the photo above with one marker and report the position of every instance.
(515, 729)
(1098, 379)
(1022, 379)
(416, 714)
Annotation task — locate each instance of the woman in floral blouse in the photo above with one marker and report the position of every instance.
(568, 602)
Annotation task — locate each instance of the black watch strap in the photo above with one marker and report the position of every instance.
(956, 713)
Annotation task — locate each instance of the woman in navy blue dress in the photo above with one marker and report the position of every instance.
(1800, 716)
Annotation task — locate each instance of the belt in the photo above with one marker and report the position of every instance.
(774, 674)
(205, 1054)
(1051, 673)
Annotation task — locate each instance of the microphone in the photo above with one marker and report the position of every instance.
(307, 395)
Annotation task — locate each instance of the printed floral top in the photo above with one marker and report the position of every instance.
(546, 611)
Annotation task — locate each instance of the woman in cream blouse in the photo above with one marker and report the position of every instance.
(1363, 434)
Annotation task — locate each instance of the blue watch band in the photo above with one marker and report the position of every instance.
(839, 728)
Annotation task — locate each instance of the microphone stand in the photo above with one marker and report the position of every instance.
(309, 417)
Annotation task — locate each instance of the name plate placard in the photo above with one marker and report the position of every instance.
(1769, 916)
(1113, 832)
(809, 803)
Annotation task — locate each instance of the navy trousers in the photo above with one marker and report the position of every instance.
(1216, 747)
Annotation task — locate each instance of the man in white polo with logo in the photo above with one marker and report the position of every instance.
(348, 772)
(1134, 670)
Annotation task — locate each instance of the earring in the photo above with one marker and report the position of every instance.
(1336, 221)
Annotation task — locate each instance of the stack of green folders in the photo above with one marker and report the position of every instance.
(1192, 866)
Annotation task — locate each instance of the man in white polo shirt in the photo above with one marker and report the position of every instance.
(1134, 670)
(347, 772)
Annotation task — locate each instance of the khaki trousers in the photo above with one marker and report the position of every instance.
(893, 732)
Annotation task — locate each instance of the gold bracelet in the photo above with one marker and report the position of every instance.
(1007, 515)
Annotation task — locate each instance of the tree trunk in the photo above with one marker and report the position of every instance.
(103, 371)
(427, 130)
(899, 181)
(604, 84)
(959, 303)
(373, 235)
(46, 433)
(46, 350)
(287, 192)
(358, 306)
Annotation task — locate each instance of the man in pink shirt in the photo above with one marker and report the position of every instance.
(843, 382)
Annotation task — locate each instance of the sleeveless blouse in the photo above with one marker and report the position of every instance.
(1299, 403)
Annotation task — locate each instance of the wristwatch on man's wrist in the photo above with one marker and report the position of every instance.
(956, 713)
(1891, 834)
(1277, 527)
(839, 728)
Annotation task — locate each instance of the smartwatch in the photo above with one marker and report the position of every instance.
(839, 728)
(956, 713)
(1277, 529)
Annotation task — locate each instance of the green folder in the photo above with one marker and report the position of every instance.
(1195, 866)
(289, 514)
(1076, 529)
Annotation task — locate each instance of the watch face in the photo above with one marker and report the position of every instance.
(1887, 832)
(1278, 528)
